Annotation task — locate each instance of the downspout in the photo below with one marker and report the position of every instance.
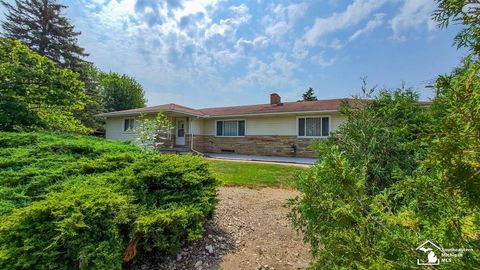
(191, 132)
(170, 135)
(191, 140)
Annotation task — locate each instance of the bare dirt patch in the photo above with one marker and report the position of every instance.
(249, 231)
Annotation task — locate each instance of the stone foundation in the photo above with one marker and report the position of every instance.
(255, 145)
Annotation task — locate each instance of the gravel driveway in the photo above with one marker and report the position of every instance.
(249, 231)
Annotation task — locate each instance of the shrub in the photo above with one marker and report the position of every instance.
(78, 202)
(388, 126)
(378, 194)
(76, 228)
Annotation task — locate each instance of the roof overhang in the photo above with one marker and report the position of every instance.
(120, 114)
(271, 113)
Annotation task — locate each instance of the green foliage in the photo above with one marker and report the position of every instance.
(456, 140)
(365, 156)
(385, 127)
(90, 75)
(152, 132)
(121, 92)
(396, 175)
(254, 174)
(41, 26)
(309, 95)
(75, 202)
(426, 176)
(79, 227)
(35, 93)
(464, 12)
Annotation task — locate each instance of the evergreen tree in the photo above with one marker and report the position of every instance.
(90, 75)
(309, 95)
(40, 25)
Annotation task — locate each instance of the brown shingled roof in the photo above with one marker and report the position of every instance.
(286, 107)
(327, 105)
(152, 109)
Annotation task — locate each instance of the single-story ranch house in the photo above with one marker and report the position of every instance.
(274, 129)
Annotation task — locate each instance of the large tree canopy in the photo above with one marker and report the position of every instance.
(121, 92)
(36, 93)
(40, 25)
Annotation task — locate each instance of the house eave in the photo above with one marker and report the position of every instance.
(270, 113)
(121, 114)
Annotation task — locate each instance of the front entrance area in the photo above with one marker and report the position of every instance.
(180, 134)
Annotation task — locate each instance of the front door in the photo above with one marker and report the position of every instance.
(180, 138)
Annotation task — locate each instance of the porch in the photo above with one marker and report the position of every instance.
(180, 139)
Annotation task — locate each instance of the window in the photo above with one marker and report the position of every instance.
(129, 125)
(230, 128)
(314, 126)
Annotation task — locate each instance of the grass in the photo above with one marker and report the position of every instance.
(250, 174)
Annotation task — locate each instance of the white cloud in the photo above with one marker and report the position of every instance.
(323, 62)
(353, 14)
(413, 14)
(184, 48)
(336, 44)
(266, 76)
(257, 42)
(241, 9)
(282, 19)
(371, 25)
(299, 50)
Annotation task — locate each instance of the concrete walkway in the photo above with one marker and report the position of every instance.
(294, 160)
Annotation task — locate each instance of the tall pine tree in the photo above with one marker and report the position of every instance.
(40, 25)
(309, 95)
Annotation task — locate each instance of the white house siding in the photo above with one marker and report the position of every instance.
(208, 127)
(197, 125)
(114, 130)
(272, 125)
(337, 119)
(281, 125)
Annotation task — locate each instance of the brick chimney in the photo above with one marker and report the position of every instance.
(275, 99)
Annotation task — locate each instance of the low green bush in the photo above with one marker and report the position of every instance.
(77, 202)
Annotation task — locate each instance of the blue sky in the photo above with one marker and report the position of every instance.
(213, 52)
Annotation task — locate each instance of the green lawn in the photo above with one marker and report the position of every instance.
(250, 174)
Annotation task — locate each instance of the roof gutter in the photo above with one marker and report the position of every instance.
(217, 116)
(142, 112)
(272, 113)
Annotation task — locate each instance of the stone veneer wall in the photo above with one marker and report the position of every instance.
(255, 145)
(170, 141)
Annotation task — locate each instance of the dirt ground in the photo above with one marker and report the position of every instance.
(249, 231)
(264, 237)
